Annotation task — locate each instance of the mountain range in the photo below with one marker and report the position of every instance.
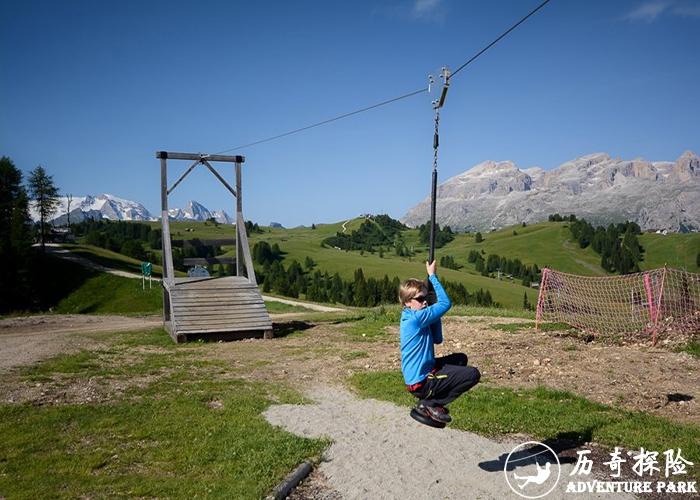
(659, 195)
(107, 206)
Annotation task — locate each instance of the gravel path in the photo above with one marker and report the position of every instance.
(379, 452)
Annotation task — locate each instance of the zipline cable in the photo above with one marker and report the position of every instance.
(411, 94)
(328, 121)
(437, 104)
(499, 38)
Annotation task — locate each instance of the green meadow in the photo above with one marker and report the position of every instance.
(547, 244)
(175, 423)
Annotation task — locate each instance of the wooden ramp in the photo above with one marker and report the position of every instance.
(221, 308)
(228, 308)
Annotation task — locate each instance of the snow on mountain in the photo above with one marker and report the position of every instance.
(110, 207)
(223, 218)
(195, 211)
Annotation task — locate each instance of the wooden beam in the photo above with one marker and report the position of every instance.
(199, 157)
(223, 181)
(183, 176)
(204, 243)
(245, 249)
(203, 261)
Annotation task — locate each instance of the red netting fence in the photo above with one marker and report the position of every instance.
(663, 300)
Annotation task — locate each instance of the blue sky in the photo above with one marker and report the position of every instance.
(90, 90)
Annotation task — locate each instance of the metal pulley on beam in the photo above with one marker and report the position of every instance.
(444, 75)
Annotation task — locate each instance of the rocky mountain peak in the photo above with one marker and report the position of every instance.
(657, 195)
(687, 167)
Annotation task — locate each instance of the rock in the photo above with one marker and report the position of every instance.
(494, 195)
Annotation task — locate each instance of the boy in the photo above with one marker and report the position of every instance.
(435, 382)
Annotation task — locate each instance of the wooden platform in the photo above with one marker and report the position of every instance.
(228, 308)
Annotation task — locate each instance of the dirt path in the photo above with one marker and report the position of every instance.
(27, 340)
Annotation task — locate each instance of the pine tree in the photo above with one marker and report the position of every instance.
(15, 244)
(309, 263)
(45, 198)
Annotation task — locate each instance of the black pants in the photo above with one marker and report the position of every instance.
(451, 378)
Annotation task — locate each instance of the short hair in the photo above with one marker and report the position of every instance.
(410, 288)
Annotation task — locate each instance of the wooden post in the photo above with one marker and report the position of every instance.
(658, 307)
(239, 217)
(168, 268)
(167, 256)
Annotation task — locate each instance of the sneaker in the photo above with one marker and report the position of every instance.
(437, 413)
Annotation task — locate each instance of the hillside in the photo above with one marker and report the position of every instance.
(545, 244)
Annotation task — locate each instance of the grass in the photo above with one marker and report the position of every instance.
(111, 260)
(692, 348)
(370, 327)
(354, 355)
(102, 293)
(70, 288)
(280, 307)
(513, 327)
(188, 430)
(676, 250)
(182, 426)
(545, 414)
(298, 243)
(545, 244)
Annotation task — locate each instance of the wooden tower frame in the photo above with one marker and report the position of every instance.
(226, 308)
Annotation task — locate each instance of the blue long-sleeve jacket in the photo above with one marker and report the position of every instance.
(420, 330)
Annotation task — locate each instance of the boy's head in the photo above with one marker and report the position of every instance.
(413, 294)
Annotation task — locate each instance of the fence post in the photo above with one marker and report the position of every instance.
(540, 296)
(658, 307)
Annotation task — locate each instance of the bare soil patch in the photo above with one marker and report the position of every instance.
(26, 340)
(631, 375)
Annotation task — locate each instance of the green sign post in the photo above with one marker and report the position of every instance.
(146, 270)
